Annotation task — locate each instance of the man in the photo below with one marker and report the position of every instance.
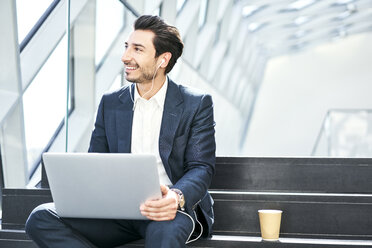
(153, 115)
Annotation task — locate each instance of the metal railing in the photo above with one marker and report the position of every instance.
(345, 133)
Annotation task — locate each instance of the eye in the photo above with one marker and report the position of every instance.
(138, 49)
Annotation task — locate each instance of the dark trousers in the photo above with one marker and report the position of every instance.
(47, 229)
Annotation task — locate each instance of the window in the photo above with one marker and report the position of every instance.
(203, 13)
(180, 4)
(117, 82)
(28, 13)
(109, 22)
(44, 103)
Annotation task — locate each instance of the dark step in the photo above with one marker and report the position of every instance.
(289, 174)
(325, 175)
(13, 234)
(17, 205)
(15, 239)
(17, 244)
(339, 216)
(253, 242)
(308, 215)
(18, 239)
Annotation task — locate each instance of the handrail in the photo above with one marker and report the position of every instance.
(35, 165)
(325, 118)
(320, 133)
(68, 35)
(38, 24)
(130, 8)
(1, 173)
(136, 14)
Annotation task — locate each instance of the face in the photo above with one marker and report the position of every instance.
(139, 57)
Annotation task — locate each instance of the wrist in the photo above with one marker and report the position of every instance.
(180, 199)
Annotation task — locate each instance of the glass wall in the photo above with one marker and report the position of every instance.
(44, 104)
(98, 31)
(28, 13)
(109, 22)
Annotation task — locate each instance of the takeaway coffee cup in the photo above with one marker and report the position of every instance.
(270, 223)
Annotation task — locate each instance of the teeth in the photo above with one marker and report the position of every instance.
(131, 68)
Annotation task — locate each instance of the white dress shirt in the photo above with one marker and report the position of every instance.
(146, 125)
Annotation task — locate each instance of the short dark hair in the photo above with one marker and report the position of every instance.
(166, 39)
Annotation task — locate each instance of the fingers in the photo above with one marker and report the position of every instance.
(160, 202)
(164, 189)
(158, 206)
(159, 210)
(160, 216)
(165, 208)
(165, 218)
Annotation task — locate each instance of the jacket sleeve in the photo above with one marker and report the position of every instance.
(200, 155)
(98, 141)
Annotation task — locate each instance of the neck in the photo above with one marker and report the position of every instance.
(147, 90)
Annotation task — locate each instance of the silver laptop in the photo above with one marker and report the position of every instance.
(101, 185)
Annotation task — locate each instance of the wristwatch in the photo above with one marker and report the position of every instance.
(181, 198)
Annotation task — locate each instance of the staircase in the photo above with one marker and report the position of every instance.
(326, 202)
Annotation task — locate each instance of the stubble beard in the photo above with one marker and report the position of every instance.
(145, 76)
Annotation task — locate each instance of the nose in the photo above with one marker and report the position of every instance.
(126, 58)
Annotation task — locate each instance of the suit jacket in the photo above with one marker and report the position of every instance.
(186, 141)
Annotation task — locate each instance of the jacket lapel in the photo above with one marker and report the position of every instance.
(124, 119)
(171, 118)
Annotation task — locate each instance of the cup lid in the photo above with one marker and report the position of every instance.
(270, 211)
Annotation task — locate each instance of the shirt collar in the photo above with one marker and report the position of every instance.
(159, 97)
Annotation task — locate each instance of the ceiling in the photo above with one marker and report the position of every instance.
(285, 26)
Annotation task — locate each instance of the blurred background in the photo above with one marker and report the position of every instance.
(288, 77)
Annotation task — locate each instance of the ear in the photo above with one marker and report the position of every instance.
(166, 57)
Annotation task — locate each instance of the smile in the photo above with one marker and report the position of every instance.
(131, 68)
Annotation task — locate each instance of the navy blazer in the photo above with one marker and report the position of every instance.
(186, 141)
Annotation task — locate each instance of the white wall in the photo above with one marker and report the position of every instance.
(298, 89)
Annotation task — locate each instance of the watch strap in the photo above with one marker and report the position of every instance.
(181, 198)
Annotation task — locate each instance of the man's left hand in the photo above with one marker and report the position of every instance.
(161, 209)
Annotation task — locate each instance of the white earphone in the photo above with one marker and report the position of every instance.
(152, 84)
(162, 61)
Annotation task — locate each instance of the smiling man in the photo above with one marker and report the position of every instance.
(153, 115)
